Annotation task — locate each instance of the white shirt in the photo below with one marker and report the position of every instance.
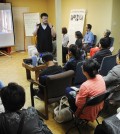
(65, 40)
(44, 26)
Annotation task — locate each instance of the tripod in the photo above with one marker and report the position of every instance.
(5, 54)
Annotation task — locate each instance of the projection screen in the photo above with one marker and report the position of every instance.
(6, 26)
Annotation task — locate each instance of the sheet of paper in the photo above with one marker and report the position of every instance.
(75, 88)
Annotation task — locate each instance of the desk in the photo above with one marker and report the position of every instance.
(30, 68)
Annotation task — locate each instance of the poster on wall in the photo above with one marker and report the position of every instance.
(76, 23)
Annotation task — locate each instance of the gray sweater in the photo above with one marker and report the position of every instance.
(113, 79)
(113, 76)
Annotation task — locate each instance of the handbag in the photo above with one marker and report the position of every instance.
(62, 112)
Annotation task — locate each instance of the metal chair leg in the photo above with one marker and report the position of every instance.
(32, 94)
(70, 129)
(97, 121)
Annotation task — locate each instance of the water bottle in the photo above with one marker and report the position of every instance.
(34, 60)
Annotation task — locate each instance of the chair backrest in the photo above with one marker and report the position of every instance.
(107, 64)
(93, 101)
(97, 99)
(56, 84)
(79, 76)
(112, 41)
(95, 40)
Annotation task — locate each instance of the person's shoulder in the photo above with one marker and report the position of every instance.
(54, 67)
(29, 111)
(97, 53)
(116, 68)
(44, 72)
(85, 84)
(59, 67)
(109, 51)
(66, 35)
(91, 33)
(99, 76)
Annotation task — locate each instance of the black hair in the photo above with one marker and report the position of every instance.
(107, 33)
(91, 66)
(13, 97)
(78, 34)
(89, 26)
(78, 43)
(64, 30)
(43, 14)
(105, 42)
(73, 49)
(47, 57)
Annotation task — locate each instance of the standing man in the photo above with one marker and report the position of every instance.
(88, 38)
(44, 32)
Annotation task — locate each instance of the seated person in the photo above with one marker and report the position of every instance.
(16, 120)
(94, 50)
(107, 35)
(78, 43)
(88, 38)
(51, 69)
(113, 79)
(93, 86)
(111, 125)
(104, 50)
(97, 48)
(79, 38)
(74, 58)
(113, 76)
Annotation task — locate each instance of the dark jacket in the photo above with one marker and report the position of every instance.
(101, 54)
(78, 43)
(49, 71)
(9, 122)
(71, 64)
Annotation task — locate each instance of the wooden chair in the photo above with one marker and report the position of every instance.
(54, 89)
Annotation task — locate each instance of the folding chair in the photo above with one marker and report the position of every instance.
(93, 101)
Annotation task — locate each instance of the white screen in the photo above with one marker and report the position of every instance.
(6, 25)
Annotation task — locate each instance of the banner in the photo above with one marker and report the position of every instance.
(76, 23)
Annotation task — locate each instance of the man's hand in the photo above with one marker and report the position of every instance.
(37, 25)
(50, 25)
(36, 29)
(52, 30)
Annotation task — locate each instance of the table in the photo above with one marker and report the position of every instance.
(35, 69)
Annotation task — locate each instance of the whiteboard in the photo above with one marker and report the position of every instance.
(30, 20)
